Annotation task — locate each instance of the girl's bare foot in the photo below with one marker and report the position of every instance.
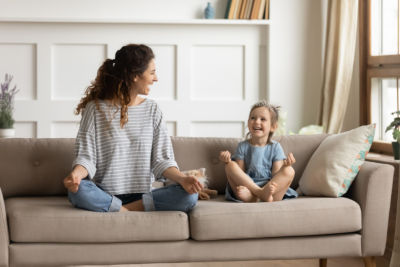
(244, 194)
(268, 191)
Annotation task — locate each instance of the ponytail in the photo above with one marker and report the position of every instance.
(115, 77)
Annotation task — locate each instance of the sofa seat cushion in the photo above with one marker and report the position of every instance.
(54, 219)
(218, 219)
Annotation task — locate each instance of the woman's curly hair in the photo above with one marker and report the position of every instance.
(115, 77)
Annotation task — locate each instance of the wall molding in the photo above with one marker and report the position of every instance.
(228, 58)
(233, 22)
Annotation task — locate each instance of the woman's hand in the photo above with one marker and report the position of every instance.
(289, 161)
(225, 156)
(191, 184)
(71, 182)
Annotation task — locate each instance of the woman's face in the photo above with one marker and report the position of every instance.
(142, 83)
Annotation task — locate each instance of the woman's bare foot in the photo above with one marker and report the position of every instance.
(123, 209)
(134, 206)
(268, 191)
(244, 194)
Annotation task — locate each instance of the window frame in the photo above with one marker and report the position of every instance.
(383, 66)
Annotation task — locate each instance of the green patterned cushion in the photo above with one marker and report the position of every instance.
(336, 162)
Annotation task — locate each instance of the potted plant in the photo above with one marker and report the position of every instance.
(395, 127)
(7, 107)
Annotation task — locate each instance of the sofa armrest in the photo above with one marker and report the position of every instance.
(372, 190)
(4, 241)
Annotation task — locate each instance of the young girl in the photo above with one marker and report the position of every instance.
(259, 169)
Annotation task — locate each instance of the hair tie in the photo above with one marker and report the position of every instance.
(112, 62)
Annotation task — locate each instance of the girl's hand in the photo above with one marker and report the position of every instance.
(290, 160)
(225, 156)
(191, 184)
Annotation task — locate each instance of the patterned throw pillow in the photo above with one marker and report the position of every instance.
(336, 162)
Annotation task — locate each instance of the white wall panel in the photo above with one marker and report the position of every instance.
(64, 129)
(19, 60)
(217, 129)
(25, 129)
(171, 126)
(165, 60)
(297, 56)
(74, 66)
(209, 74)
(295, 41)
(217, 72)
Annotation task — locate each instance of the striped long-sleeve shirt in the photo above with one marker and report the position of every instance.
(123, 161)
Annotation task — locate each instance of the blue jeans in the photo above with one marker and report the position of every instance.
(173, 197)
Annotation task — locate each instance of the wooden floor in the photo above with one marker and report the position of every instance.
(347, 262)
(286, 263)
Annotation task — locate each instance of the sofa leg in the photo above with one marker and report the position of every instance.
(323, 262)
(369, 261)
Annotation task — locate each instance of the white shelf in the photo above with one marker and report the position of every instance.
(136, 21)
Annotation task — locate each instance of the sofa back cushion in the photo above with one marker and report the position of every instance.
(32, 167)
(302, 147)
(203, 152)
(197, 152)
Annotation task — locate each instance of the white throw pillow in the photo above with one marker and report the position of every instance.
(336, 162)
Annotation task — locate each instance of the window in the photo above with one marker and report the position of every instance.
(379, 67)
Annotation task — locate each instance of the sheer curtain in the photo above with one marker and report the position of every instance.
(338, 67)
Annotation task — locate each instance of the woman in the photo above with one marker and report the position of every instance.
(122, 143)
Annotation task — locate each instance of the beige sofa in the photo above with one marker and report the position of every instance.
(39, 227)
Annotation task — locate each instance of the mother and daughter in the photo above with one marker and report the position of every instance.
(123, 145)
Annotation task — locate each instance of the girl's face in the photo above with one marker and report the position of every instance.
(141, 85)
(259, 123)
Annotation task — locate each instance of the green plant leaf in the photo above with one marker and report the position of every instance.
(6, 120)
(396, 134)
(395, 126)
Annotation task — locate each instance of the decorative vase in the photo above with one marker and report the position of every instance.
(7, 133)
(209, 12)
(396, 150)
